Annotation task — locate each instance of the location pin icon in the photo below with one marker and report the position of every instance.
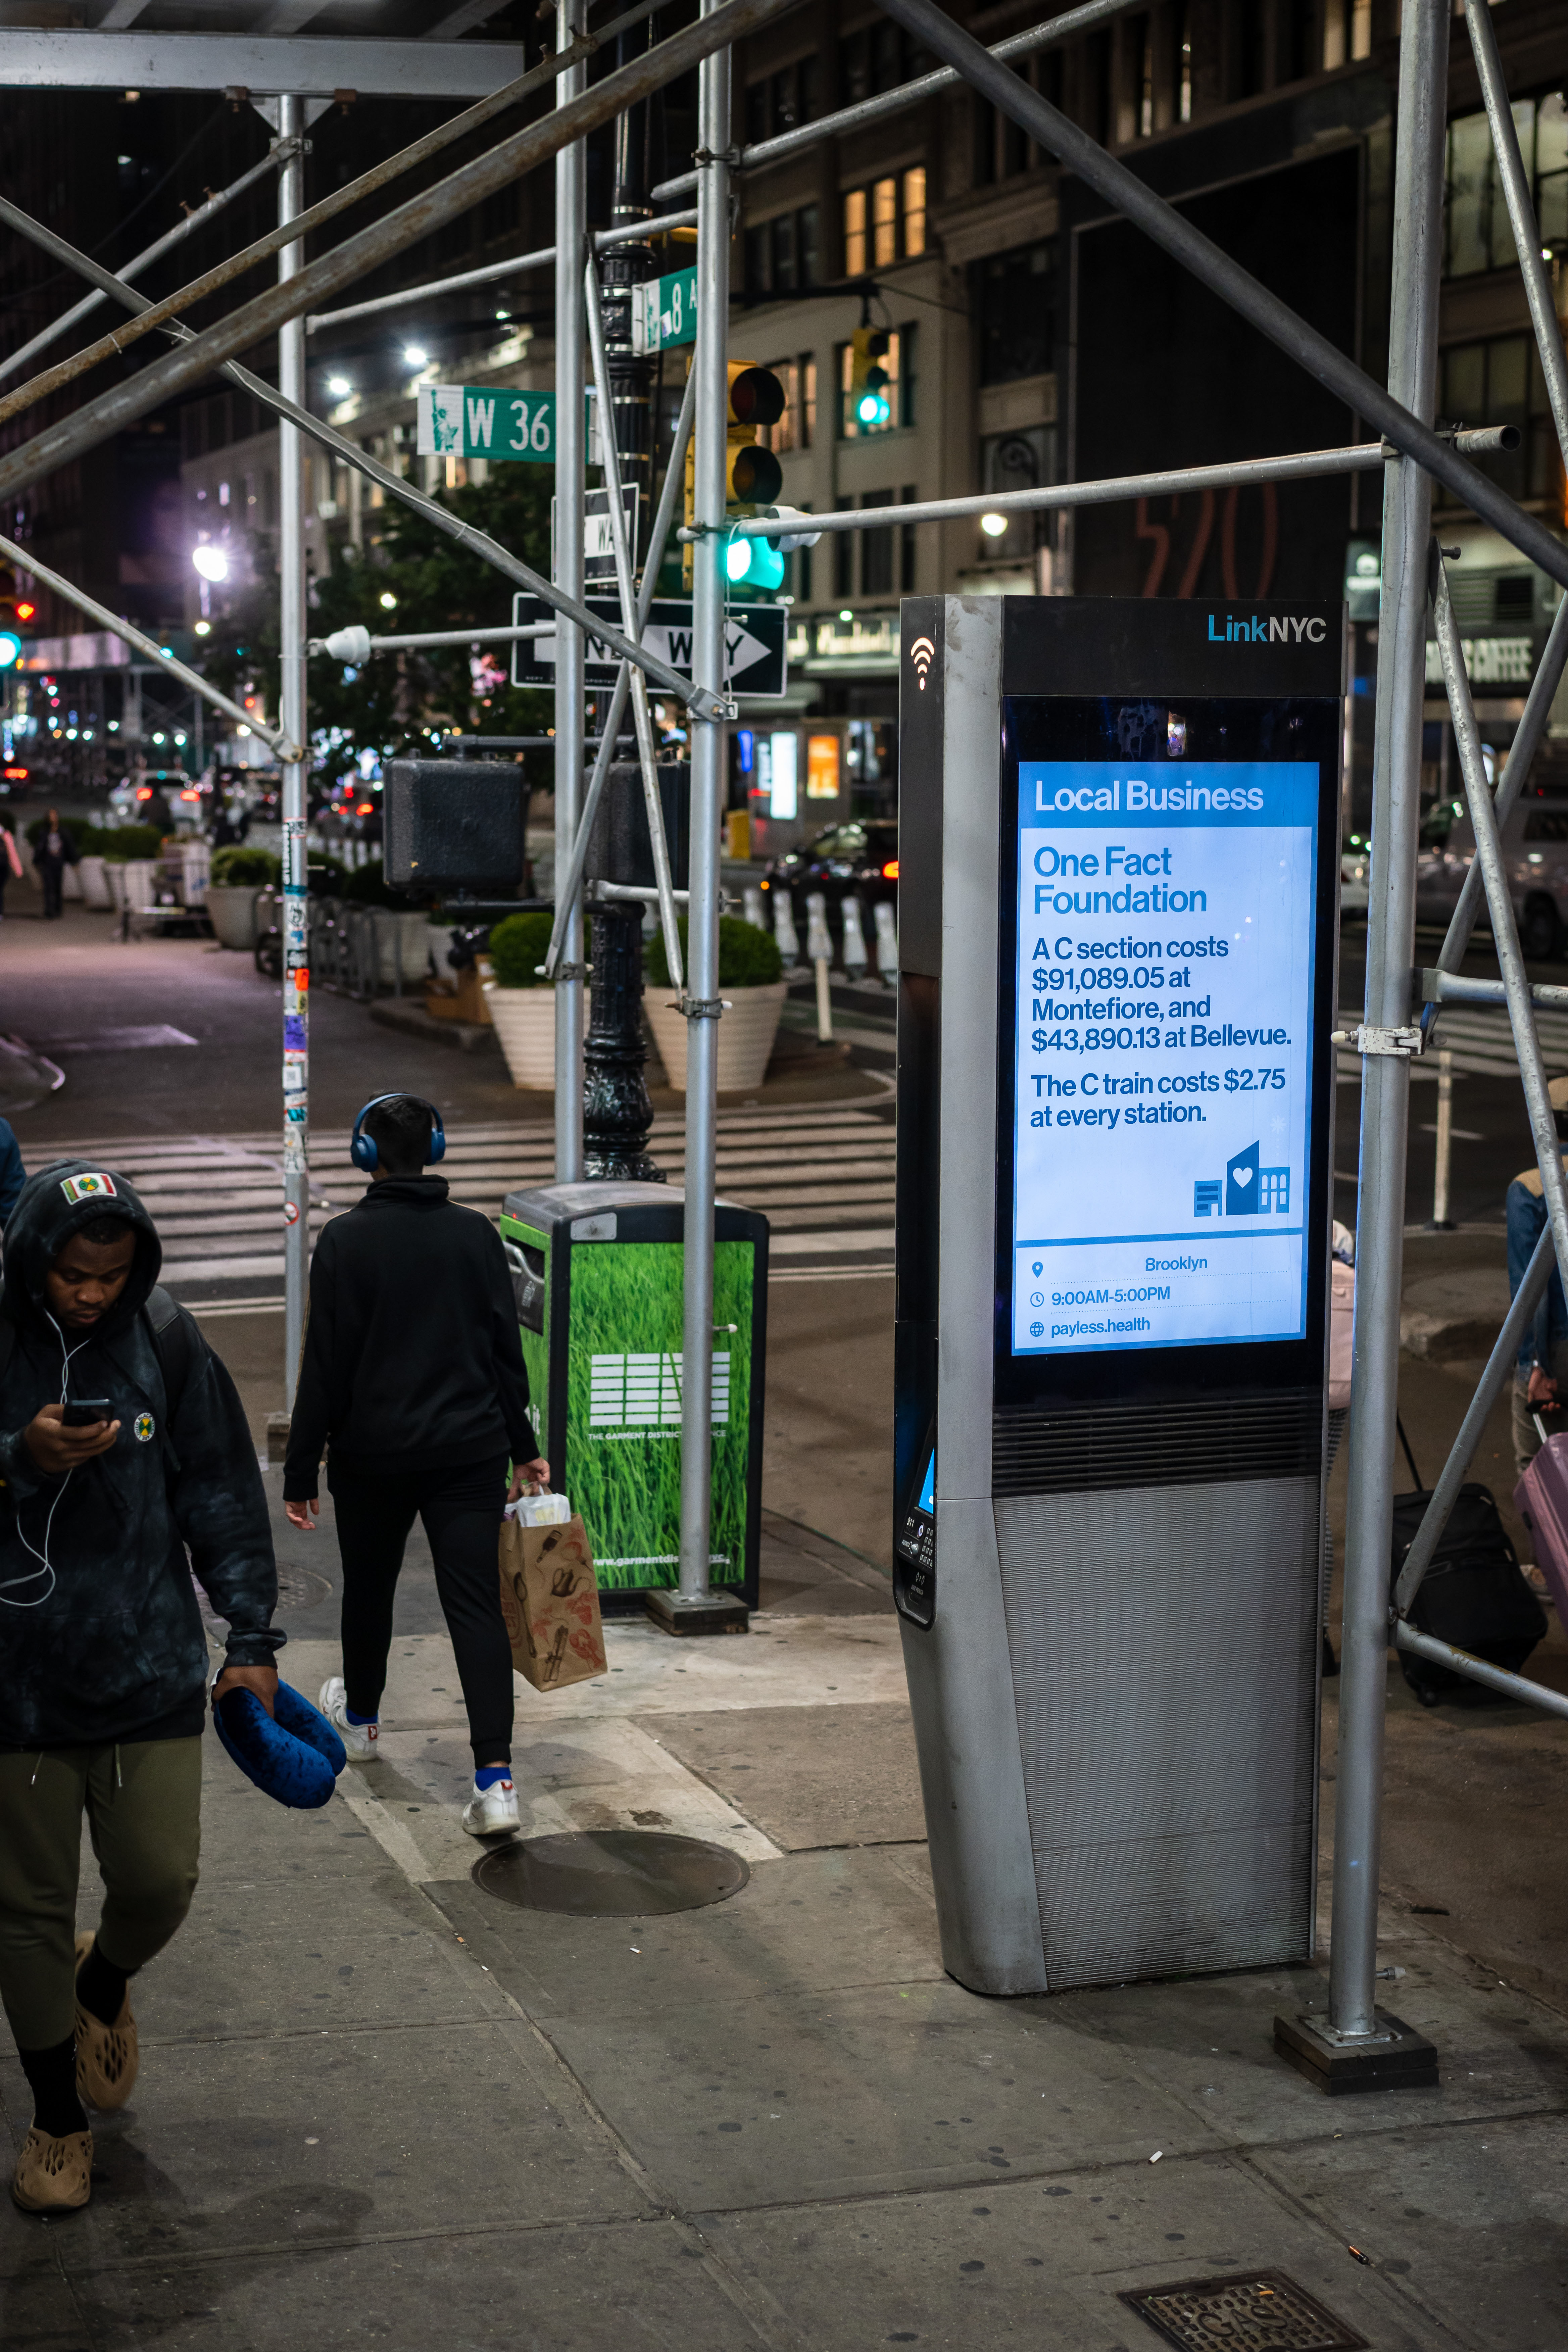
(1038, 1268)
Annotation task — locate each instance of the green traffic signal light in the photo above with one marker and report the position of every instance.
(753, 563)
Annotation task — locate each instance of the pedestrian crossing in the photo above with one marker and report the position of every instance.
(1480, 1041)
(821, 1175)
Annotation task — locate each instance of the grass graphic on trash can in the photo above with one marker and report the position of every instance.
(623, 1412)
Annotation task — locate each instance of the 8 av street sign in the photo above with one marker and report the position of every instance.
(754, 643)
(664, 312)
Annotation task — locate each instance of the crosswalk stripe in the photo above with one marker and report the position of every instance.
(824, 1178)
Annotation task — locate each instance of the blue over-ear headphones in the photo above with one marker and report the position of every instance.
(362, 1151)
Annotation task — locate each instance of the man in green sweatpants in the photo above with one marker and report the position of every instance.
(125, 1463)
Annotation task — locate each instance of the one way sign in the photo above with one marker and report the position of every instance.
(754, 638)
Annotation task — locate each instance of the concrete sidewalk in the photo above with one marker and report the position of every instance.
(378, 2104)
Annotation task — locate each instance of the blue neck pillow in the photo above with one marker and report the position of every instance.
(294, 1755)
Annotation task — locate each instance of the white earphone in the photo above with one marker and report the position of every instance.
(45, 1567)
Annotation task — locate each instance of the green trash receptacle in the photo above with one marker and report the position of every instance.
(596, 1273)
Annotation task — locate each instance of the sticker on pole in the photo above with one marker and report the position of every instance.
(755, 663)
(664, 312)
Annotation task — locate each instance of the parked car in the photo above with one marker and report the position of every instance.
(1535, 858)
(861, 857)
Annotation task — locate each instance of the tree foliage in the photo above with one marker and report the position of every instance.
(390, 705)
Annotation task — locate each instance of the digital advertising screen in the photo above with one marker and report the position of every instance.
(1162, 1052)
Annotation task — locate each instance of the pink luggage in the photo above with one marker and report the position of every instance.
(1541, 1499)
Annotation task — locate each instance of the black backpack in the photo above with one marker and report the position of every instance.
(168, 1329)
(1474, 1595)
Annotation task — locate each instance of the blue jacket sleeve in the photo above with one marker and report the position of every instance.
(1526, 1214)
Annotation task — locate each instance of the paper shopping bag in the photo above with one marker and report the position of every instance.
(550, 1604)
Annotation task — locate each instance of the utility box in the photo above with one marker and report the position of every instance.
(1117, 901)
(596, 1273)
(454, 824)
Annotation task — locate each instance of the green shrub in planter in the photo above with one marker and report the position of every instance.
(748, 957)
(517, 948)
(237, 868)
(119, 844)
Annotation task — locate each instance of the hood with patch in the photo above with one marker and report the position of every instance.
(56, 1203)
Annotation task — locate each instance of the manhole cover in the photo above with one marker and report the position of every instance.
(610, 1873)
(297, 1588)
(1263, 2311)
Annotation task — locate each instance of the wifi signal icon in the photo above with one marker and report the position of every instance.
(922, 652)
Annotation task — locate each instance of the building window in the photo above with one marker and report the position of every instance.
(1500, 382)
(899, 362)
(796, 426)
(1184, 105)
(854, 248)
(780, 255)
(914, 221)
(1477, 232)
(885, 223)
(781, 101)
(880, 57)
(1015, 305)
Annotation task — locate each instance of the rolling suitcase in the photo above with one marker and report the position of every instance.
(1541, 1499)
(1473, 1594)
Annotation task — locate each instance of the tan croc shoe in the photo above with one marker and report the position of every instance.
(53, 2176)
(106, 2056)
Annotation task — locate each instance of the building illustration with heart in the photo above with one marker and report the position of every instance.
(1249, 1190)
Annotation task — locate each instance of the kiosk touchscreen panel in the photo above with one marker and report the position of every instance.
(1163, 1065)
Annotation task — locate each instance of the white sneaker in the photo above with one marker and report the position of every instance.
(359, 1738)
(492, 1811)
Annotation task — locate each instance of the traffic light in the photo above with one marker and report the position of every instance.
(868, 403)
(759, 564)
(752, 475)
(13, 612)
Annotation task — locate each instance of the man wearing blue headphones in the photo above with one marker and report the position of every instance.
(412, 1371)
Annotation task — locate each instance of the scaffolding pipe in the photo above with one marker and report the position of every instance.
(571, 234)
(295, 414)
(279, 154)
(26, 561)
(250, 256)
(1352, 2018)
(493, 270)
(1493, 1380)
(699, 1000)
(867, 110)
(569, 883)
(347, 263)
(642, 719)
(1051, 130)
(1478, 1670)
(292, 624)
(1307, 465)
(353, 653)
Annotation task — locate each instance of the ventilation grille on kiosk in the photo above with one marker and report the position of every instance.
(1279, 1434)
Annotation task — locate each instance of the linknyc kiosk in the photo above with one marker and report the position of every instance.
(1117, 906)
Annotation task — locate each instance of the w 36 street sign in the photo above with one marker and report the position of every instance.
(462, 420)
(664, 312)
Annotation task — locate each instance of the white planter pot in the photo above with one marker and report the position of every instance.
(134, 883)
(524, 1021)
(401, 940)
(746, 1034)
(70, 882)
(94, 882)
(232, 905)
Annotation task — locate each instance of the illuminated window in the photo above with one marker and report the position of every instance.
(1361, 28)
(915, 211)
(1476, 234)
(885, 223)
(854, 250)
(794, 427)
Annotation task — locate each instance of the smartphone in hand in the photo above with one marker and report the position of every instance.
(86, 1412)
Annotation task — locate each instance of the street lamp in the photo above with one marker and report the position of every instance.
(993, 525)
(414, 355)
(210, 561)
(339, 386)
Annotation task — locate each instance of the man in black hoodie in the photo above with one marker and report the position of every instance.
(412, 1366)
(103, 1659)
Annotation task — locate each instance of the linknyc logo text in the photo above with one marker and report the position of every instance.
(1281, 630)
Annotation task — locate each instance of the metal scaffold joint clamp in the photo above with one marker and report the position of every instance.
(705, 157)
(704, 1008)
(1370, 1038)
